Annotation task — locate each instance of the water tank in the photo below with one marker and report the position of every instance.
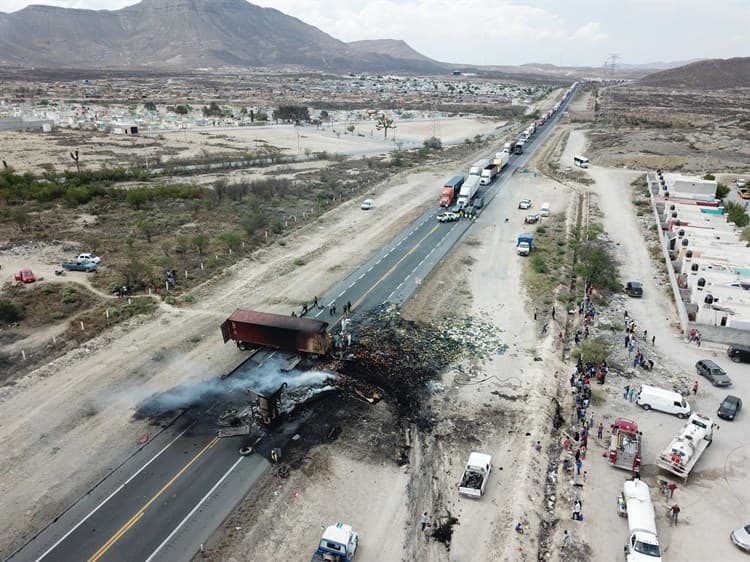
(709, 299)
(689, 254)
(684, 242)
(681, 233)
(674, 214)
(701, 280)
(671, 207)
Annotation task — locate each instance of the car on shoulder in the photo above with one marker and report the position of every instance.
(729, 407)
(531, 218)
(447, 216)
(715, 374)
(741, 182)
(745, 193)
(634, 289)
(524, 204)
(739, 353)
(479, 202)
(88, 257)
(568, 168)
(367, 204)
(741, 538)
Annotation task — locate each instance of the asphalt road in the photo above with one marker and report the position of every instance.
(164, 501)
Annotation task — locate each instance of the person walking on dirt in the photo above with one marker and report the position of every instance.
(695, 388)
(427, 531)
(671, 487)
(600, 430)
(631, 394)
(565, 539)
(424, 520)
(674, 513)
(315, 301)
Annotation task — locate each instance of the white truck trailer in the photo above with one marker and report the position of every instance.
(478, 166)
(468, 191)
(643, 543)
(488, 174)
(687, 446)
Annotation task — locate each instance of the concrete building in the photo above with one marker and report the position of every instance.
(709, 262)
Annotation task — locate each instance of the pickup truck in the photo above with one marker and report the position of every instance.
(625, 445)
(87, 266)
(476, 474)
(338, 544)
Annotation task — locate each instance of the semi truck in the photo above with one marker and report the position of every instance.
(643, 542)
(524, 244)
(488, 174)
(468, 191)
(625, 445)
(686, 448)
(478, 166)
(509, 147)
(338, 544)
(251, 328)
(450, 191)
(475, 476)
(519, 146)
(501, 160)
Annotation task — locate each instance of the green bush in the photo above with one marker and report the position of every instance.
(11, 312)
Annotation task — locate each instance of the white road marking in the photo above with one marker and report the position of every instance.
(113, 494)
(192, 511)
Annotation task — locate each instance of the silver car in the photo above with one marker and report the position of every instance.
(741, 538)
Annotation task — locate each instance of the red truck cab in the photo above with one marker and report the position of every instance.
(25, 276)
(625, 445)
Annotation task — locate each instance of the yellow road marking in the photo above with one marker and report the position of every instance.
(392, 269)
(133, 520)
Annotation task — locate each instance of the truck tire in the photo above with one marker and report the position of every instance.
(681, 416)
(242, 346)
(646, 407)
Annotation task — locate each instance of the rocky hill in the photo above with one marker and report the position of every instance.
(390, 47)
(183, 34)
(715, 74)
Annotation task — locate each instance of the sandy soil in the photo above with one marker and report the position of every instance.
(26, 151)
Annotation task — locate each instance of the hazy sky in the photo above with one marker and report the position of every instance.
(561, 32)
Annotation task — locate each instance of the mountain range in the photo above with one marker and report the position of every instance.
(189, 34)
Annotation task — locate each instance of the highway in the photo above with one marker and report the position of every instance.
(169, 497)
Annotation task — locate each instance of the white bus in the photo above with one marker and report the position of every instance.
(581, 161)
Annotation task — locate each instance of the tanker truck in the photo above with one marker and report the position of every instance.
(683, 452)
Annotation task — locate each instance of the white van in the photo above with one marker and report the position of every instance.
(668, 401)
(544, 210)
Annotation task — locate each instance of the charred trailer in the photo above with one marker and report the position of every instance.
(250, 328)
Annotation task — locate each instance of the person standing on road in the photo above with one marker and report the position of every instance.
(653, 340)
(671, 487)
(695, 388)
(424, 520)
(631, 394)
(600, 430)
(626, 391)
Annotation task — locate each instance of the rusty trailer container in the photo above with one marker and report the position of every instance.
(251, 328)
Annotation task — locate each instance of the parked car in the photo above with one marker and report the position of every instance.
(715, 374)
(634, 289)
(741, 182)
(25, 276)
(88, 258)
(745, 193)
(524, 204)
(367, 204)
(729, 407)
(479, 202)
(448, 216)
(531, 218)
(739, 353)
(741, 538)
(471, 211)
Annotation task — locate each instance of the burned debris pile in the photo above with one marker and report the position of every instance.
(397, 355)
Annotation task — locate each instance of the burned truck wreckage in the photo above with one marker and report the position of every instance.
(389, 359)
